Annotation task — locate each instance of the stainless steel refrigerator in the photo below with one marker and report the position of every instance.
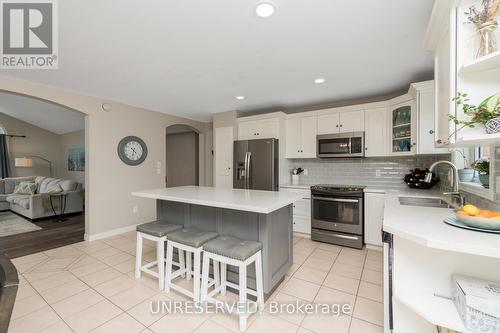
(256, 164)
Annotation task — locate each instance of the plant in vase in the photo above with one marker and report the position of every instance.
(485, 22)
(483, 169)
(466, 174)
(487, 113)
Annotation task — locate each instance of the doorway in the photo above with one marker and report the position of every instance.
(182, 150)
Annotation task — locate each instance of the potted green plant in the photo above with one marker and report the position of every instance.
(483, 169)
(466, 174)
(486, 113)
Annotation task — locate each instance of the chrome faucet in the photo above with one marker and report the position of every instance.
(455, 194)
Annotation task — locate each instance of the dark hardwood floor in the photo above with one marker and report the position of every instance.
(51, 235)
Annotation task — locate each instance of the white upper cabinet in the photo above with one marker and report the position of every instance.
(301, 137)
(376, 138)
(328, 123)
(258, 129)
(341, 122)
(403, 128)
(425, 101)
(352, 121)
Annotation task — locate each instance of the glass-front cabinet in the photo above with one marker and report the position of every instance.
(403, 129)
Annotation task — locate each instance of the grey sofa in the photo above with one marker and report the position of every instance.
(38, 205)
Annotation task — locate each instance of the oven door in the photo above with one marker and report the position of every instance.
(343, 214)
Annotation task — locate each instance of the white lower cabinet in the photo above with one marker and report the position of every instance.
(301, 211)
(374, 216)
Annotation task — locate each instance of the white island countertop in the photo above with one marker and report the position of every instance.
(425, 226)
(245, 200)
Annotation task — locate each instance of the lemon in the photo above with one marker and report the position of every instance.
(471, 210)
(496, 218)
(462, 213)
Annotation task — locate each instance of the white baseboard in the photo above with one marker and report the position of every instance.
(374, 247)
(110, 233)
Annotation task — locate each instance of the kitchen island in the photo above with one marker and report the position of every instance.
(263, 216)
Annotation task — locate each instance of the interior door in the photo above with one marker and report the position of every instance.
(308, 131)
(352, 121)
(376, 143)
(293, 138)
(223, 157)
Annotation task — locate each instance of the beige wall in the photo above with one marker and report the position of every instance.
(67, 141)
(182, 159)
(109, 181)
(37, 142)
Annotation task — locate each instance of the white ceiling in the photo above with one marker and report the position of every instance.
(48, 116)
(192, 57)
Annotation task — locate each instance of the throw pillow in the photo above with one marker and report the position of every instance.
(26, 188)
(55, 189)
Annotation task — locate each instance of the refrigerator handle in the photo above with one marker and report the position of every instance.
(248, 169)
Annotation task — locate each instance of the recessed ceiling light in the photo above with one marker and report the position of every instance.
(240, 98)
(264, 9)
(319, 80)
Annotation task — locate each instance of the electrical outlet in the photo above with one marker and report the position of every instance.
(378, 173)
(305, 172)
(135, 209)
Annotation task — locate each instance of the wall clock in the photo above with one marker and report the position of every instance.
(132, 150)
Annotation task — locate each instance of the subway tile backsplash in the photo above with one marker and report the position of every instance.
(387, 172)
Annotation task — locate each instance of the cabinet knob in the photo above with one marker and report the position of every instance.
(366, 148)
(431, 132)
(413, 144)
(336, 125)
(340, 125)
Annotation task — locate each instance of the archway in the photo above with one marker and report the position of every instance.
(182, 156)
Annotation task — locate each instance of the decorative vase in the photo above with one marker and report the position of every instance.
(466, 175)
(295, 179)
(484, 179)
(487, 42)
(493, 125)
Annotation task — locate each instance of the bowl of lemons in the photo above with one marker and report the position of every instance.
(479, 218)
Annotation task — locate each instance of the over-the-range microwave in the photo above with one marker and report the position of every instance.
(350, 144)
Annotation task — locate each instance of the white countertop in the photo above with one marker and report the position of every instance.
(246, 200)
(425, 226)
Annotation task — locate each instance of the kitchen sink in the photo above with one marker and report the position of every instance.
(424, 202)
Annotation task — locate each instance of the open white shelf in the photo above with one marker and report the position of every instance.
(490, 61)
(477, 140)
(436, 310)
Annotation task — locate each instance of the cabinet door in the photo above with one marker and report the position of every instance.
(302, 208)
(308, 131)
(302, 224)
(353, 121)
(374, 216)
(247, 130)
(267, 129)
(376, 132)
(328, 124)
(403, 129)
(426, 124)
(293, 138)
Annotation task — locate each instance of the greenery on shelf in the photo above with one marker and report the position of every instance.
(479, 114)
(482, 166)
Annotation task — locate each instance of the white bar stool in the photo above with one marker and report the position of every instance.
(190, 241)
(237, 252)
(157, 232)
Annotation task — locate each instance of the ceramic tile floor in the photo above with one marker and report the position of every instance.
(90, 286)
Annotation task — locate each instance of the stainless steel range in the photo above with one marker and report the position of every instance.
(337, 214)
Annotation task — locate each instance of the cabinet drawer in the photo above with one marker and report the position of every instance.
(302, 224)
(302, 208)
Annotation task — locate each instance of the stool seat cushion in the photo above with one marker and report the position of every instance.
(191, 237)
(232, 247)
(158, 228)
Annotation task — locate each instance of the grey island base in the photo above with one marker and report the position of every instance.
(273, 230)
(264, 216)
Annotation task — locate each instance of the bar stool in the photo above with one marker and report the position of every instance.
(190, 241)
(157, 232)
(237, 252)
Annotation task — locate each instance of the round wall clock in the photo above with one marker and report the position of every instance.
(132, 150)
